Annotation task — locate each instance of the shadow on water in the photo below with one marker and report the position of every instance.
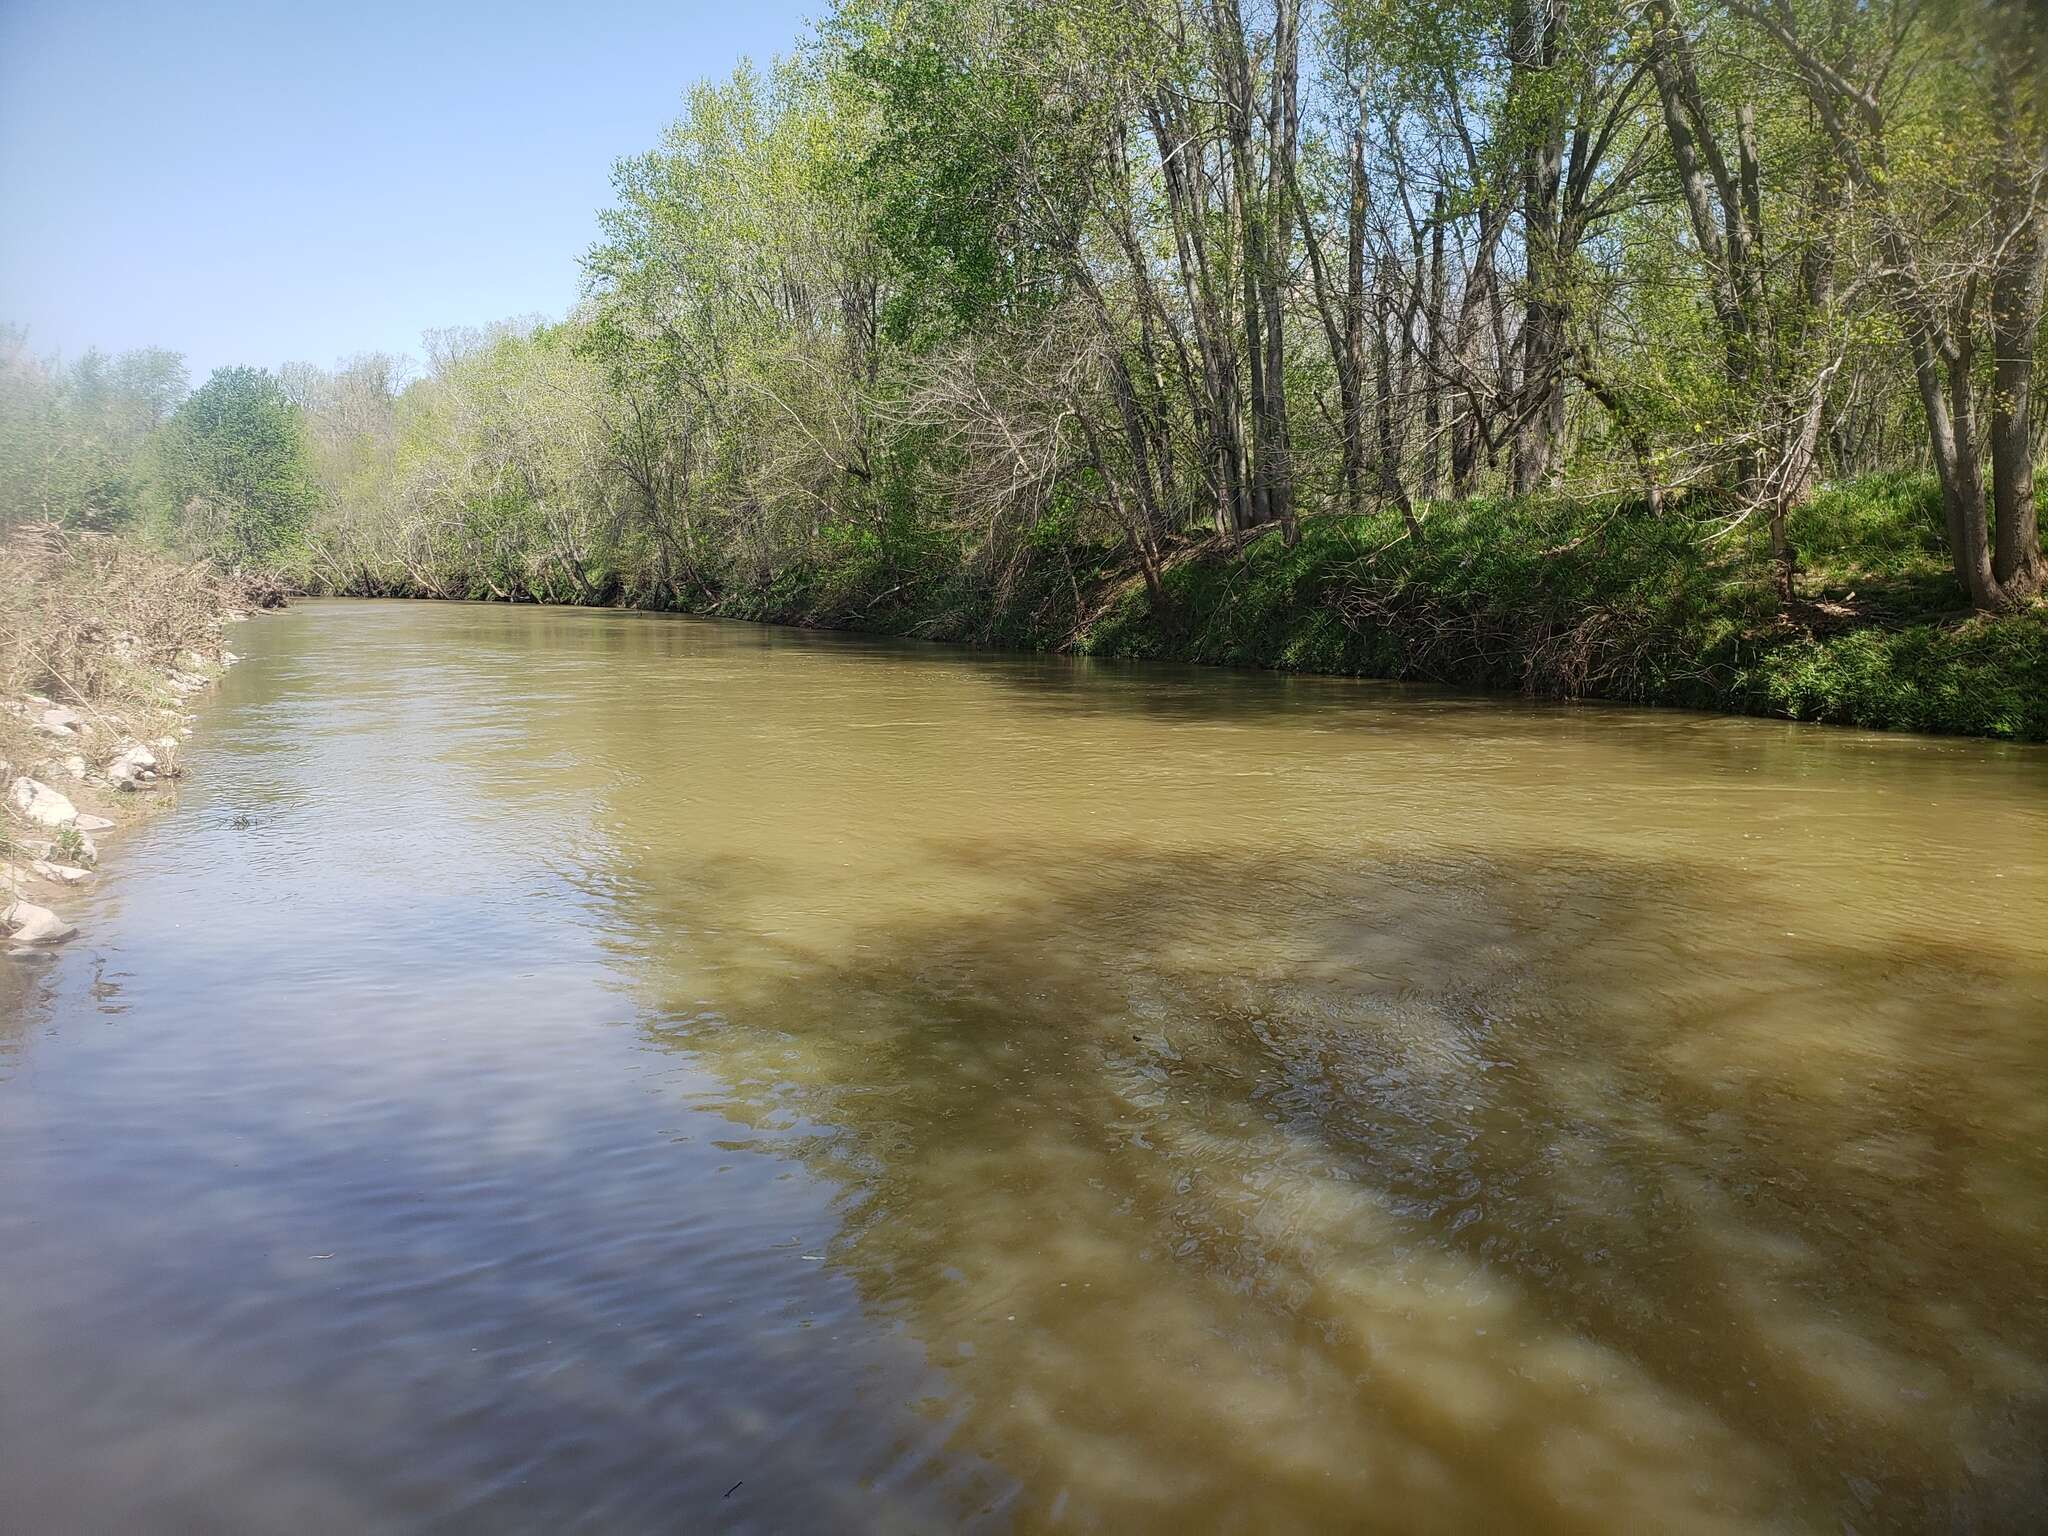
(1479, 1196)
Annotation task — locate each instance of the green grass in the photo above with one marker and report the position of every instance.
(1608, 601)
(1547, 598)
(1540, 596)
(1981, 677)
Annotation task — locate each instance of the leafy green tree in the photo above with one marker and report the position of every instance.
(235, 479)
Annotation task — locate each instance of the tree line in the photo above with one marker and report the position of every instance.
(972, 284)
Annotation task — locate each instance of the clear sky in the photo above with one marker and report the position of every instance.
(257, 183)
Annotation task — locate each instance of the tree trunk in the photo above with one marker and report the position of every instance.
(2016, 291)
(1180, 161)
(1433, 367)
(1539, 424)
(1283, 128)
(1391, 485)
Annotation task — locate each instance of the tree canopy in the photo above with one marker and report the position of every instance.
(980, 295)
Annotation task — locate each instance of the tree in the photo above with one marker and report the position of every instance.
(74, 438)
(235, 478)
(1925, 109)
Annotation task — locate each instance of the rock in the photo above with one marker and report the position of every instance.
(133, 769)
(32, 924)
(41, 804)
(86, 852)
(126, 776)
(59, 720)
(91, 823)
(63, 874)
(74, 765)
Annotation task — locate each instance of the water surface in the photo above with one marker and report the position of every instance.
(560, 1070)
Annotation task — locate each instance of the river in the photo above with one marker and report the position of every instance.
(567, 1070)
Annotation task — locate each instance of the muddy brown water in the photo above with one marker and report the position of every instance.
(589, 1071)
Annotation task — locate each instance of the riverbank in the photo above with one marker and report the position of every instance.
(103, 643)
(1547, 598)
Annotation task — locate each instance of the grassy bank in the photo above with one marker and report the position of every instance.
(1547, 598)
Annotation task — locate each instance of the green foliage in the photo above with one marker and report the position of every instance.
(1539, 595)
(1549, 597)
(1980, 677)
(233, 470)
(74, 438)
(947, 168)
(1886, 525)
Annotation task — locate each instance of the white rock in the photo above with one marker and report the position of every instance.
(35, 925)
(74, 765)
(41, 804)
(60, 714)
(86, 852)
(132, 769)
(63, 874)
(91, 823)
(61, 732)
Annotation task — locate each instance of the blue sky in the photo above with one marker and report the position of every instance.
(256, 183)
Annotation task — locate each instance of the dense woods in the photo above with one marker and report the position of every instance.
(1665, 350)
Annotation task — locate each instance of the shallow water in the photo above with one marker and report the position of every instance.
(564, 1070)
